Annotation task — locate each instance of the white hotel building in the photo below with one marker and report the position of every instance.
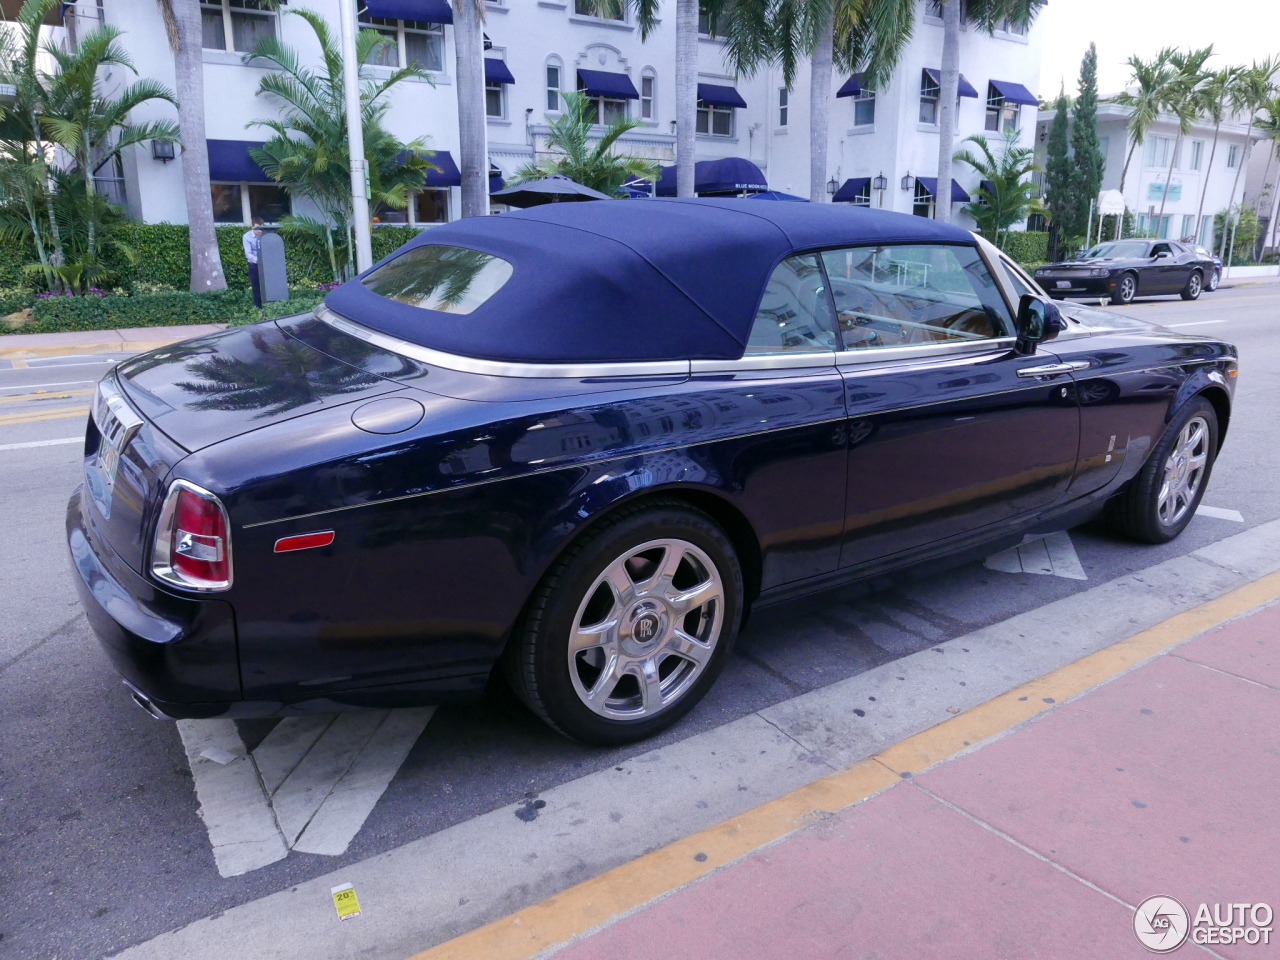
(542, 46)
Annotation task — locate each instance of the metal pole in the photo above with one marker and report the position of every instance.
(355, 136)
(1088, 228)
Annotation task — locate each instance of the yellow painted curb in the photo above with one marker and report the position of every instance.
(593, 902)
(60, 413)
(75, 349)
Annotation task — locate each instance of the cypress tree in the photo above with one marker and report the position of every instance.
(1058, 178)
(1087, 159)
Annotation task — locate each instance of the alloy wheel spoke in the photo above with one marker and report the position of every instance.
(619, 581)
(646, 672)
(683, 645)
(683, 601)
(596, 635)
(607, 680)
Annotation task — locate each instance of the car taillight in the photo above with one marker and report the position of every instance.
(193, 539)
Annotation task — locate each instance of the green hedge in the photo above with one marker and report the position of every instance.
(1027, 246)
(56, 314)
(164, 258)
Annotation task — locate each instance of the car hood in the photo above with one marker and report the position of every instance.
(211, 388)
(1108, 262)
(1088, 321)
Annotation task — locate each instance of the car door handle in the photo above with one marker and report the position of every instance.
(1053, 369)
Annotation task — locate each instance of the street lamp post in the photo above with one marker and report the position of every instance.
(355, 136)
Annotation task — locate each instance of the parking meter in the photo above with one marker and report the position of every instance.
(271, 268)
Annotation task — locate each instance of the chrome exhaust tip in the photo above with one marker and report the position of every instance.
(142, 700)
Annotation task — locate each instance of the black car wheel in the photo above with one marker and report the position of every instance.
(1214, 280)
(630, 628)
(1194, 285)
(1161, 500)
(1126, 289)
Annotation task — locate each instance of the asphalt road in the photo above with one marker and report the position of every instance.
(101, 846)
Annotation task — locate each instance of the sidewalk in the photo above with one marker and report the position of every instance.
(1038, 843)
(31, 346)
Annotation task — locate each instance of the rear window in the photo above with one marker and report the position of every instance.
(438, 277)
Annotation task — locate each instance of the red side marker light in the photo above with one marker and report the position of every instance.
(305, 541)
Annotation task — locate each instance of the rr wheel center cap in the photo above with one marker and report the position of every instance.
(645, 625)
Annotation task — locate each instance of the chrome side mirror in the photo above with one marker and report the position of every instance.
(1038, 322)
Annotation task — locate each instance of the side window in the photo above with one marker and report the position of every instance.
(1020, 285)
(1160, 248)
(901, 295)
(795, 313)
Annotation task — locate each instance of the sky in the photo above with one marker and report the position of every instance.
(1240, 31)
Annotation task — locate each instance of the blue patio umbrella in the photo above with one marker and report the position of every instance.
(778, 195)
(727, 175)
(550, 189)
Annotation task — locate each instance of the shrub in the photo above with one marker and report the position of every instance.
(1027, 246)
(57, 313)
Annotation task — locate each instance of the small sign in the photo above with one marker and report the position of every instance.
(344, 898)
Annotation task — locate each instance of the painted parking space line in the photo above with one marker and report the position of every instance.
(1194, 323)
(34, 386)
(59, 413)
(1051, 555)
(40, 443)
(309, 786)
(1220, 513)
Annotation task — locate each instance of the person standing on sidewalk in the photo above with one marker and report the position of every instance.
(252, 244)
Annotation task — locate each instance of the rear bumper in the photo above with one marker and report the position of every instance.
(175, 652)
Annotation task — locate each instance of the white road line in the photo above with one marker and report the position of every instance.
(40, 443)
(61, 383)
(235, 811)
(311, 782)
(1051, 555)
(346, 809)
(1195, 323)
(1221, 513)
(284, 747)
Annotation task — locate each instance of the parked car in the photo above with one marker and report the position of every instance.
(1122, 270)
(580, 442)
(1210, 282)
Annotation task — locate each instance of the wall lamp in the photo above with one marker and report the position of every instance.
(880, 182)
(832, 186)
(907, 181)
(162, 150)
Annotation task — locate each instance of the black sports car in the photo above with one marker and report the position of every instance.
(1124, 269)
(580, 442)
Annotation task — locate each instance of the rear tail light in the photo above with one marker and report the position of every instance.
(193, 540)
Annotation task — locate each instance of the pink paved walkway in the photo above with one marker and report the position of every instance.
(1164, 781)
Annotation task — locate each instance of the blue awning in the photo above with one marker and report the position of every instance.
(852, 87)
(601, 83)
(966, 88)
(230, 160)
(1015, 93)
(497, 71)
(729, 175)
(850, 189)
(446, 174)
(958, 193)
(424, 11)
(719, 96)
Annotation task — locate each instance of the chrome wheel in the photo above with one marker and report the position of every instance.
(1183, 471)
(1128, 287)
(646, 629)
(1212, 285)
(1193, 286)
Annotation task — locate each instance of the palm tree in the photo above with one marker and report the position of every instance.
(1181, 98)
(986, 15)
(1214, 96)
(592, 165)
(1257, 87)
(1151, 77)
(182, 24)
(473, 150)
(1010, 198)
(1269, 125)
(308, 152)
(849, 35)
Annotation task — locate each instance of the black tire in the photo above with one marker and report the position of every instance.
(1195, 284)
(1126, 289)
(1212, 284)
(575, 590)
(1137, 511)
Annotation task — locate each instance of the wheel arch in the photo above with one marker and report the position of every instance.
(1221, 406)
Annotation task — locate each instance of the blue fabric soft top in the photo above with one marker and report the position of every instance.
(616, 282)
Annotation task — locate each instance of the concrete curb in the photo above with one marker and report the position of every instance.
(431, 890)
(34, 346)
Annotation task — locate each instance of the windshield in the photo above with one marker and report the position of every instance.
(439, 277)
(1118, 249)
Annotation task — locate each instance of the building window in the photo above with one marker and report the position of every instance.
(928, 98)
(864, 108)
(863, 197)
(243, 22)
(1159, 150)
(586, 8)
(1197, 154)
(1233, 156)
(1002, 116)
(922, 202)
(553, 84)
(647, 80)
(714, 119)
(241, 202)
(607, 109)
(495, 100)
(424, 207)
(784, 97)
(1189, 228)
(1015, 28)
(706, 24)
(411, 42)
(934, 9)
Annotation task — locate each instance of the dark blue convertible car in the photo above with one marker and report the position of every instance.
(581, 442)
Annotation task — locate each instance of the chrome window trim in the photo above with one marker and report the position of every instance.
(767, 361)
(923, 351)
